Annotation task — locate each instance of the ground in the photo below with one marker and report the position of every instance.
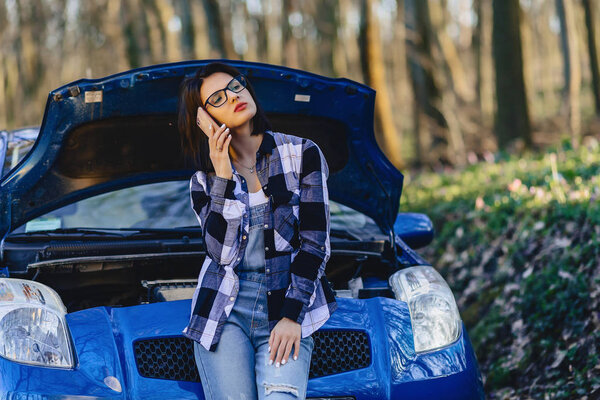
(518, 240)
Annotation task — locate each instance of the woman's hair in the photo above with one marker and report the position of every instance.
(194, 142)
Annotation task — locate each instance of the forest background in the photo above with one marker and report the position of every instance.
(490, 108)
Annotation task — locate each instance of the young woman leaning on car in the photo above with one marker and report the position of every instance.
(227, 137)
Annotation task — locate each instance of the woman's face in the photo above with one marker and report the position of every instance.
(226, 113)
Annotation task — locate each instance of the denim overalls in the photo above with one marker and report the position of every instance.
(239, 368)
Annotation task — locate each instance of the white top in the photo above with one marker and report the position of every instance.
(258, 197)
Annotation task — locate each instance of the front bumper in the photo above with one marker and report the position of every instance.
(105, 344)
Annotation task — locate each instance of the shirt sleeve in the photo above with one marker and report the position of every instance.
(219, 214)
(309, 264)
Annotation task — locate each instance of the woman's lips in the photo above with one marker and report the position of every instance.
(239, 107)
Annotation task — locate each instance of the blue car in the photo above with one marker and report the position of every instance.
(100, 250)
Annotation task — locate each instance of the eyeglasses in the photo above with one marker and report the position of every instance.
(218, 98)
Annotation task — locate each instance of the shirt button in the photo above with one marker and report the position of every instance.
(268, 270)
(266, 225)
(269, 293)
(244, 237)
(267, 248)
(322, 248)
(232, 298)
(239, 259)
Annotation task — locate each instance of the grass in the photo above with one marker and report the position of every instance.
(518, 241)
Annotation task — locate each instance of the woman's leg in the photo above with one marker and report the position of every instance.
(227, 373)
(290, 380)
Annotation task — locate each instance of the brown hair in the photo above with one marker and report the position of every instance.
(194, 142)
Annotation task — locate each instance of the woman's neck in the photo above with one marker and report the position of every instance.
(243, 145)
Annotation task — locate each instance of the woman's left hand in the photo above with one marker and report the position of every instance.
(285, 334)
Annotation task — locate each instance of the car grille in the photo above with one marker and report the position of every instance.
(172, 358)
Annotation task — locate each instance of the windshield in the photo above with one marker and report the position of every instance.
(164, 205)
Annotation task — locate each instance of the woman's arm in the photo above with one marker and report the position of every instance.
(309, 264)
(219, 214)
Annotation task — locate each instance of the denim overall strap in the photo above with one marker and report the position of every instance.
(254, 254)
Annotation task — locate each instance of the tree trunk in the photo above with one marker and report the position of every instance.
(590, 12)
(431, 145)
(216, 34)
(273, 22)
(403, 91)
(157, 32)
(448, 51)
(512, 117)
(376, 78)
(482, 43)
(572, 70)
(290, 43)
(323, 14)
(132, 22)
(201, 40)
(349, 44)
(188, 38)
(451, 80)
(527, 52)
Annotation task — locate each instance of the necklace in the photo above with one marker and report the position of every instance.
(249, 168)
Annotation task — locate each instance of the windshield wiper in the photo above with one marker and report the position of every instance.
(117, 232)
(339, 233)
(131, 232)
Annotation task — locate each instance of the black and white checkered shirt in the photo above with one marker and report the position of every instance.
(293, 173)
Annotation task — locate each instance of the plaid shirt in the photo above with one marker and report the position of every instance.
(293, 173)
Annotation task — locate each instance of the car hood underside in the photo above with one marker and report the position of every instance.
(119, 131)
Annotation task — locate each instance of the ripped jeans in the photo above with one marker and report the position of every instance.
(239, 369)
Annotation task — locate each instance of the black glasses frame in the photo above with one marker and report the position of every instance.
(241, 79)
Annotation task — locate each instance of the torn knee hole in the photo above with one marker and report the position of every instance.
(280, 387)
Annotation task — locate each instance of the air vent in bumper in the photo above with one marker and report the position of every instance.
(172, 358)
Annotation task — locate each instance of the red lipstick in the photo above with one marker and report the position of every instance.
(239, 107)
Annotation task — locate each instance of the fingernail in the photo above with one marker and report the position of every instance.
(269, 348)
(223, 126)
(295, 357)
(270, 362)
(227, 130)
(210, 127)
(283, 362)
(277, 365)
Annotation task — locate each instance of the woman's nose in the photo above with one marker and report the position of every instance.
(233, 97)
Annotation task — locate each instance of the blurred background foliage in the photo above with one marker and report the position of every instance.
(518, 239)
(455, 79)
(502, 96)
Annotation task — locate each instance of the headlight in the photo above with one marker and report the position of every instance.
(434, 315)
(33, 329)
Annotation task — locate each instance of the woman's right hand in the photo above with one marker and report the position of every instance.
(218, 141)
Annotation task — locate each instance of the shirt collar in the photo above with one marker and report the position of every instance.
(267, 144)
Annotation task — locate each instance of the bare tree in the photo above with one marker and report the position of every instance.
(572, 70)
(347, 50)
(590, 13)
(219, 44)
(273, 27)
(512, 117)
(482, 39)
(290, 42)
(376, 78)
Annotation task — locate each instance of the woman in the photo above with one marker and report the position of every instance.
(262, 203)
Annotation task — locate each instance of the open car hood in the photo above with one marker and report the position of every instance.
(99, 135)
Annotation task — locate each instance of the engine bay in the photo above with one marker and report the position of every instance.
(90, 274)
